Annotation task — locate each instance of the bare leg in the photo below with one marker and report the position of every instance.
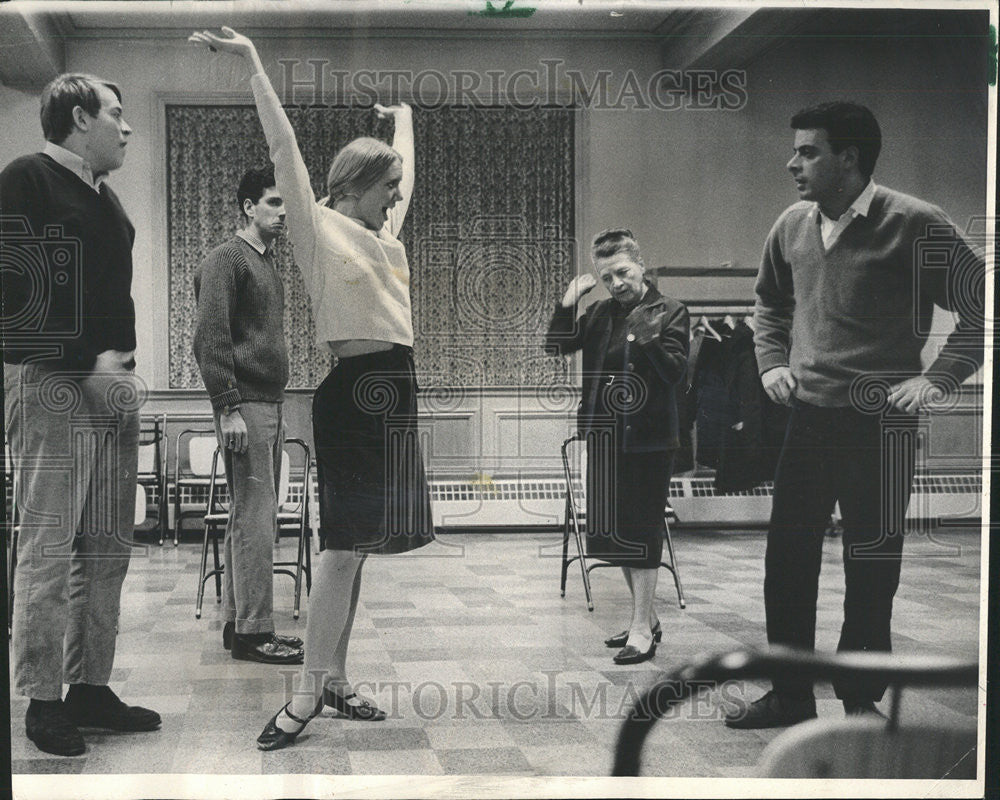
(654, 620)
(329, 615)
(337, 678)
(643, 583)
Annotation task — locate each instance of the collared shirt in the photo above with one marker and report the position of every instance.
(251, 238)
(831, 229)
(75, 164)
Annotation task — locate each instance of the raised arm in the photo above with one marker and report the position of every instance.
(402, 143)
(290, 173)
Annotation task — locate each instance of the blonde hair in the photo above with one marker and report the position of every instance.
(357, 166)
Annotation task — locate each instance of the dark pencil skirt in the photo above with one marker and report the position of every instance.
(373, 492)
(626, 498)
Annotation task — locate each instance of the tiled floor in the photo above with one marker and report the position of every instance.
(484, 669)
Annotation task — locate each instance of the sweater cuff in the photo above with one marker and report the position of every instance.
(944, 371)
(230, 397)
(771, 361)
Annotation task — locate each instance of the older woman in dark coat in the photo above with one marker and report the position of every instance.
(635, 348)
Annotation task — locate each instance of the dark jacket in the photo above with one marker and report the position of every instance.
(652, 366)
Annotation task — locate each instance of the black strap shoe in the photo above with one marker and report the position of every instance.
(230, 628)
(773, 710)
(254, 647)
(621, 639)
(48, 726)
(363, 711)
(274, 738)
(99, 707)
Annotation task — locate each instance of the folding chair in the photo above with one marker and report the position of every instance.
(824, 748)
(293, 516)
(192, 469)
(152, 472)
(571, 522)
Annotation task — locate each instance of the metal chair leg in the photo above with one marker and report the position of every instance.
(218, 567)
(674, 569)
(565, 550)
(201, 575)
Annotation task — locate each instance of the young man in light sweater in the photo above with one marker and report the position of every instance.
(845, 295)
(240, 347)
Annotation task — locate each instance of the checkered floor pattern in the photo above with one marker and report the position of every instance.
(484, 669)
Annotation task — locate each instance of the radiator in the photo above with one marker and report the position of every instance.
(539, 501)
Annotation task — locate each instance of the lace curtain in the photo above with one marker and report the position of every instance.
(489, 232)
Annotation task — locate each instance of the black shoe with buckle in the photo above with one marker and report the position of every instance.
(230, 628)
(274, 738)
(264, 649)
(621, 639)
(363, 711)
(773, 710)
(50, 728)
(99, 707)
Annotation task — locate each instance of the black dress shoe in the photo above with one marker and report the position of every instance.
(863, 708)
(364, 711)
(621, 639)
(99, 707)
(48, 726)
(264, 649)
(230, 628)
(773, 710)
(633, 655)
(274, 738)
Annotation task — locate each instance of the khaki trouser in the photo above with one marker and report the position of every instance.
(74, 442)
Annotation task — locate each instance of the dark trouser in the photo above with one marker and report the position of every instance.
(866, 462)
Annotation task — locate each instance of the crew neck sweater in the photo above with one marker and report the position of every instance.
(67, 267)
(862, 309)
(239, 342)
(358, 279)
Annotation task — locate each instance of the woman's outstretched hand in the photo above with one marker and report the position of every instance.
(229, 42)
(385, 112)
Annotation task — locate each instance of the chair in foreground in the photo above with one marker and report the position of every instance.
(293, 519)
(855, 747)
(573, 517)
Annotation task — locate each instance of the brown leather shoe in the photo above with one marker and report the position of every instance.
(230, 628)
(47, 724)
(254, 647)
(773, 710)
(90, 706)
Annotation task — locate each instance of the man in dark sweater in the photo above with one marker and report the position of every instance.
(240, 347)
(71, 406)
(845, 294)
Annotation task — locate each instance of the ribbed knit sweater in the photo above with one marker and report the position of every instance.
(238, 338)
(67, 267)
(864, 307)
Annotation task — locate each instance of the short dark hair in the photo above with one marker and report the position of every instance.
(64, 93)
(615, 240)
(253, 184)
(846, 124)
